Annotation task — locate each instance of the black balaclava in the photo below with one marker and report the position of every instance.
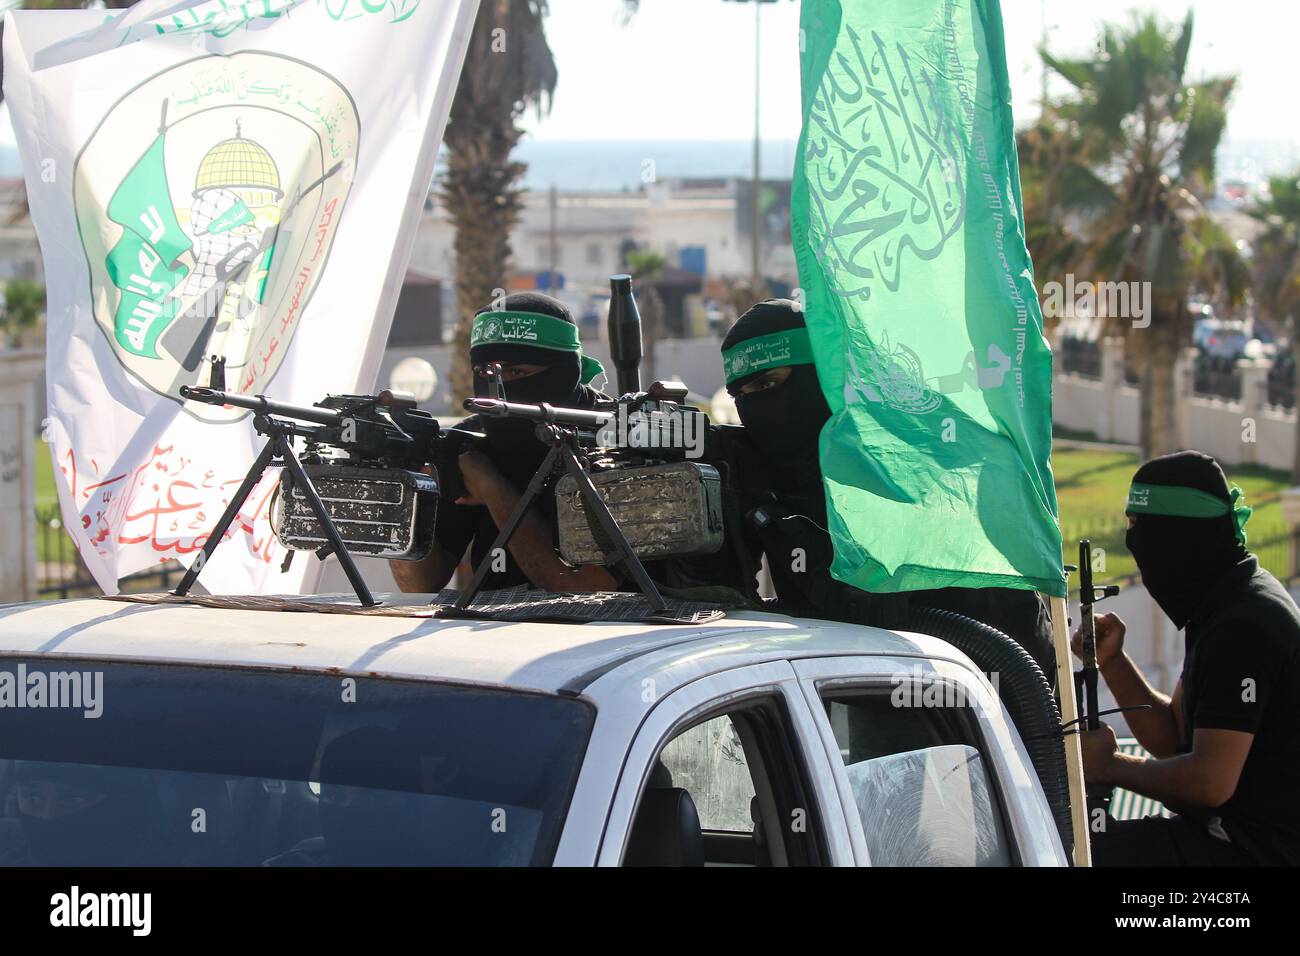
(1182, 558)
(518, 450)
(103, 834)
(783, 422)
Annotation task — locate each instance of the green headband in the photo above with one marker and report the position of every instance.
(1180, 502)
(791, 347)
(535, 330)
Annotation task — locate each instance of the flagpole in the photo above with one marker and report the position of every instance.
(1069, 713)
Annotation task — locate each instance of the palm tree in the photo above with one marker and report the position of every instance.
(1142, 144)
(1276, 267)
(1045, 149)
(508, 69)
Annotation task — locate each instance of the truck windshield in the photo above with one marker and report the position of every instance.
(105, 764)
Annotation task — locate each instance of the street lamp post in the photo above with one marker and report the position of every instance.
(755, 199)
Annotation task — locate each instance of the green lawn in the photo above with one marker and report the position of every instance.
(45, 493)
(1091, 487)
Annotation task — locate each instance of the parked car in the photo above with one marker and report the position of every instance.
(1221, 338)
(210, 736)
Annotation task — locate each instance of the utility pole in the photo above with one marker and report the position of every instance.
(555, 243)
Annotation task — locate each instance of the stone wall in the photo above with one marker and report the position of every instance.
(1245, 431)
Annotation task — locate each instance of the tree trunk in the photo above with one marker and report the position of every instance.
(1160, 395)
(1142, 366)
(480, 193)
(506, 67)
(652, 324)
(1162, 399)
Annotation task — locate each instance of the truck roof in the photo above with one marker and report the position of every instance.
(548, 657)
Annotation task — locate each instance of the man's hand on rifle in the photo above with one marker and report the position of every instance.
(1099, 751)
(478, 474)
(531, 545)
(1110, 639)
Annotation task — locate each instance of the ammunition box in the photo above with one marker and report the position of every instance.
(379, 512)
(663, 510)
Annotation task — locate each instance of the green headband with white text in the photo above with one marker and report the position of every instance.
(790, 347)
(533, 329)
(1180, 502)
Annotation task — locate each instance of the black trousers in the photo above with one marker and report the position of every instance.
(1163, 841)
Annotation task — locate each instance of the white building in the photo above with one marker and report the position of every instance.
(700, 226)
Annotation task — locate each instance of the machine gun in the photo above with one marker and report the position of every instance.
(1085, 679)
(562, 429)
(361, 485)
(626, 488)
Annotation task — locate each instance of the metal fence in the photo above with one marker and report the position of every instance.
(1080, 357)
(60, 572)
(1217, 376)
(1281, 380)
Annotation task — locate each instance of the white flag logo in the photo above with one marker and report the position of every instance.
(242, 182)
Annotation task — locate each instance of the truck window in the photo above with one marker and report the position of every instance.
(919, 781)
(708, 762)
(185, 765)
(729, 790)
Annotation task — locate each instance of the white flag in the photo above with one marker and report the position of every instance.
(212, 179)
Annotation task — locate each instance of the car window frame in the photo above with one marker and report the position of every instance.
(745, 751)
(1027, 819)
(717, 694)
(968, 722)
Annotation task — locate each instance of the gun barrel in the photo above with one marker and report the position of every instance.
(624, 334)
(578, 417)
(262, 405)
(1087, 597)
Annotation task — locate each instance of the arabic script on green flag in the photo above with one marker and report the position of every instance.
(920, 300)
(142, 264)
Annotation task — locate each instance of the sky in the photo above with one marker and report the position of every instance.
(684, 69)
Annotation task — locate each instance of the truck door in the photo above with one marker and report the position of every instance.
(728, 771)
(926, 765)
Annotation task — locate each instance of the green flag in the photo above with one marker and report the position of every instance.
(920, 302)
(143, 262)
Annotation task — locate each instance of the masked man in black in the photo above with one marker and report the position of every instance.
(770, 374)
(82, 815)
(1225, 748)
(535, 342)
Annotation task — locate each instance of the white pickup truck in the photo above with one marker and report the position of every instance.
(178, 734)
